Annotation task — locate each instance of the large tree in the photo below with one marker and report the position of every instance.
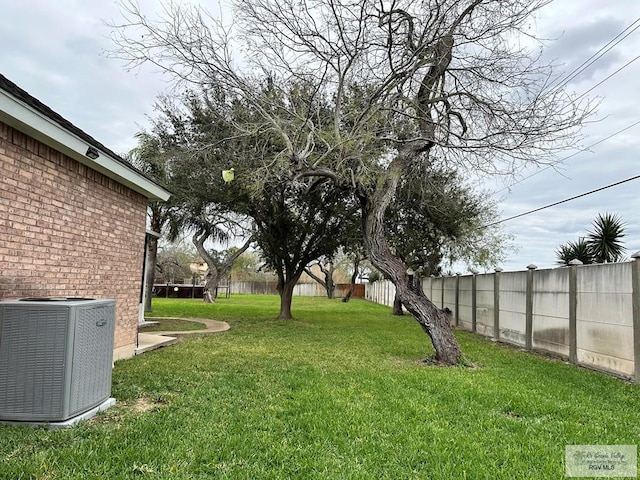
(197, 209)
(294, 224)
(294, 228)
(219, 264)
(450, 79)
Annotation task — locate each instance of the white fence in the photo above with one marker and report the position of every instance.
(589, 314)
(300, 290)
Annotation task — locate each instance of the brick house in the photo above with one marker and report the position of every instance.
(72, 213)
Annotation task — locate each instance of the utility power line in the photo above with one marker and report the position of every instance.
(594, 144)
(559, 83)
(565, 79)
(608, 77)
(611, 185)
(586, 149)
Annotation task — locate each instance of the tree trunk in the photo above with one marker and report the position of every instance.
(212, 278)
(285, 289)
(210, 286)
(286, 297)
(157, 220)
(416, 284)
(397, 305)
(328, 283)
(354, 277)
(226, 267)
(331, 290)
(152, 260)
(436, 324)
(432, 320)
(331, 286)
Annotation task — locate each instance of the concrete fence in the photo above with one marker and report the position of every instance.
(588, 314)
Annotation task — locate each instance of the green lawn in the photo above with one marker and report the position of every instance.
(339, 392)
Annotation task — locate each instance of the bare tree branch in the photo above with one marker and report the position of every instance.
(380, 86)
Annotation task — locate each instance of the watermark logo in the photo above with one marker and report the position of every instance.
(620, 461)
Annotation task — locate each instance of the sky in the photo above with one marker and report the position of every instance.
(55, 51)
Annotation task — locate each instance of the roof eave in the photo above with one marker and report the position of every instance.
(26, 119)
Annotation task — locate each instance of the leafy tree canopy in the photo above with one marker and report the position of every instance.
(358, 91)
(435, 219)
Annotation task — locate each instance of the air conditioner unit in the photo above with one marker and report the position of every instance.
(56, 357)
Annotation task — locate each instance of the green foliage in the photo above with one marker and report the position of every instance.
(374, 276)
(578, 250)
(337, 393)
(602, 245)
(605, 240)
(152, 158)
(250, 267)
(293, 222)
(299, 224)
(435, 218)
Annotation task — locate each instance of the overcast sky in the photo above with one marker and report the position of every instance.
(52, 49)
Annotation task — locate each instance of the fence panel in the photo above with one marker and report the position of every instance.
(551, 310)
(484, 304)
(426, 286)
(465, 302)
(513, 288)
(449, 286)
(436, 291)
(605, 318)
(381, 292)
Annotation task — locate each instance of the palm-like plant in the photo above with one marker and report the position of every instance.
(578, 250)
(605, 240)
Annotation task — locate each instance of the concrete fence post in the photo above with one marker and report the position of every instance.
(528, 331)
(473, 304)
(496, 304)
(635, 297)
(573, 310)
(457, 305)
(442, 292)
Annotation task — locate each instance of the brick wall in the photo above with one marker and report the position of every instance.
(67, 230)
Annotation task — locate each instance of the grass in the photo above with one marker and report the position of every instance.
(174, 325)
(336, 393)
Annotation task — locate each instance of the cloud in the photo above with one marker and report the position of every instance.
(574, 46)
(53, 50)
(59, 59)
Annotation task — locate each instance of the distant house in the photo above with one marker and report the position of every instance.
(72, 213)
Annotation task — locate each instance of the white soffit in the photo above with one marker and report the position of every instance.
(26, 119)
